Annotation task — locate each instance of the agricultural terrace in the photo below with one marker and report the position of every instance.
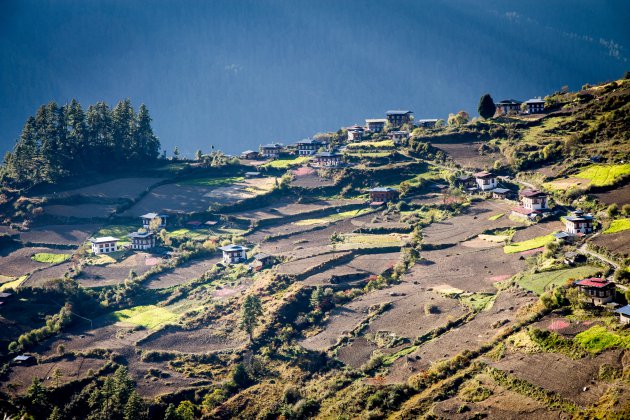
(593, 175)
(286, 163)
(541, 282)
(618, 225)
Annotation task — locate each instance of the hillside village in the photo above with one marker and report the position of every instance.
(404, 268)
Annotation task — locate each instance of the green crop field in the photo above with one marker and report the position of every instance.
(192, 234)
(45, 257)
(333, 217)
(533, 243)
(618, 225)
(14, 284)
(603, 175)
(597, 339)
(383, 144)
(370, 154)
(287, 163)
(496, 217)
(149, 316)
(538, 282)
(212, 182)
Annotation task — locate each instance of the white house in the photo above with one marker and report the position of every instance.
(355, 133)
(534, 106)
(578, 222)
(142, 240)
(149, 217)
(375, 125)
(233, 254)
(104, 244)
(329, 159)
(426, 122)
(485, 180)
(272, 150)
(309, 147)
(534, 200)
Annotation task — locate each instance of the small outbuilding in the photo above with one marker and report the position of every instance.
(24, 360)
(381, 195)
(426, 123)
(253, 174)
(624, 314)
(233, 254)
(104, 244)
(142, 240)
(597, 291)
(572, 258)
(262, 260)
(398, 136)
(501, 193)
(509, 106)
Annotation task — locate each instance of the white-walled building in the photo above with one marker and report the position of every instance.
(534, 106)
(485, 180)
(149, 217)
(104, 244)
(233, 254)
(534, 200)
(375, 125)
(142, 240)
(578, 222)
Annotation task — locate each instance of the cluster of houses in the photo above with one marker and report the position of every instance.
(141, 240)
(326, 157)
(512, 106)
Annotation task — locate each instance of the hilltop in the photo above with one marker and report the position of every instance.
(430, 295)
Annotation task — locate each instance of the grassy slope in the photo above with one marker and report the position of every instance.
(538, 282)
(45, 257)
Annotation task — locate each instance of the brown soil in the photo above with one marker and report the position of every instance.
(469, 336)
(474, 222)
(617, 243)
(467, 154)
(40, 277)
(19, 262)
(98, 276)
(182, 274)
(118, 188)
(502, 405)
(544, 370)
(59, 234)
(200, 341)
(619, 195)
(86, 211)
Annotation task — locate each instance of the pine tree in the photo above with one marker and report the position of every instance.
(147, 142)
(486, 106)
(55, 414)
(250, 312)
(134, 409)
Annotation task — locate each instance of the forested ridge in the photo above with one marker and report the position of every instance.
(62, 141)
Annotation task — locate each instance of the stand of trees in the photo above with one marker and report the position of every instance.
(61, 141)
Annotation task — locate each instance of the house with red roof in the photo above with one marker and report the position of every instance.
(597, 291)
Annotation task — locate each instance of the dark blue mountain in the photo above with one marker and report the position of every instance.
(237, 73)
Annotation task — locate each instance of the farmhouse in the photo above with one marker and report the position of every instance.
(465, 181)
(399, 135)
(624, 314)
(355, 133)
(329, 159)
(426, 123)
(308, 147)
(534, 199)
(501, 193)
(534, 106)
(149, 217)
(142, 240)
(381, 195)
(399, 117)
(509, 106)
(271, 151)
(578, 222)
(572, 258)
(249, 155)
(375, 125)
(104, 244)
(598, 291)
(486, 181)
(233, 254)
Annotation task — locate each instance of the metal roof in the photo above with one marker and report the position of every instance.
(233, 248)
(532, 193)
(381, 189)
(501, 190)
(140, 235)
(104, 239)
(398, 112)
(624, 310)
(594, 282)
(152, 215)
